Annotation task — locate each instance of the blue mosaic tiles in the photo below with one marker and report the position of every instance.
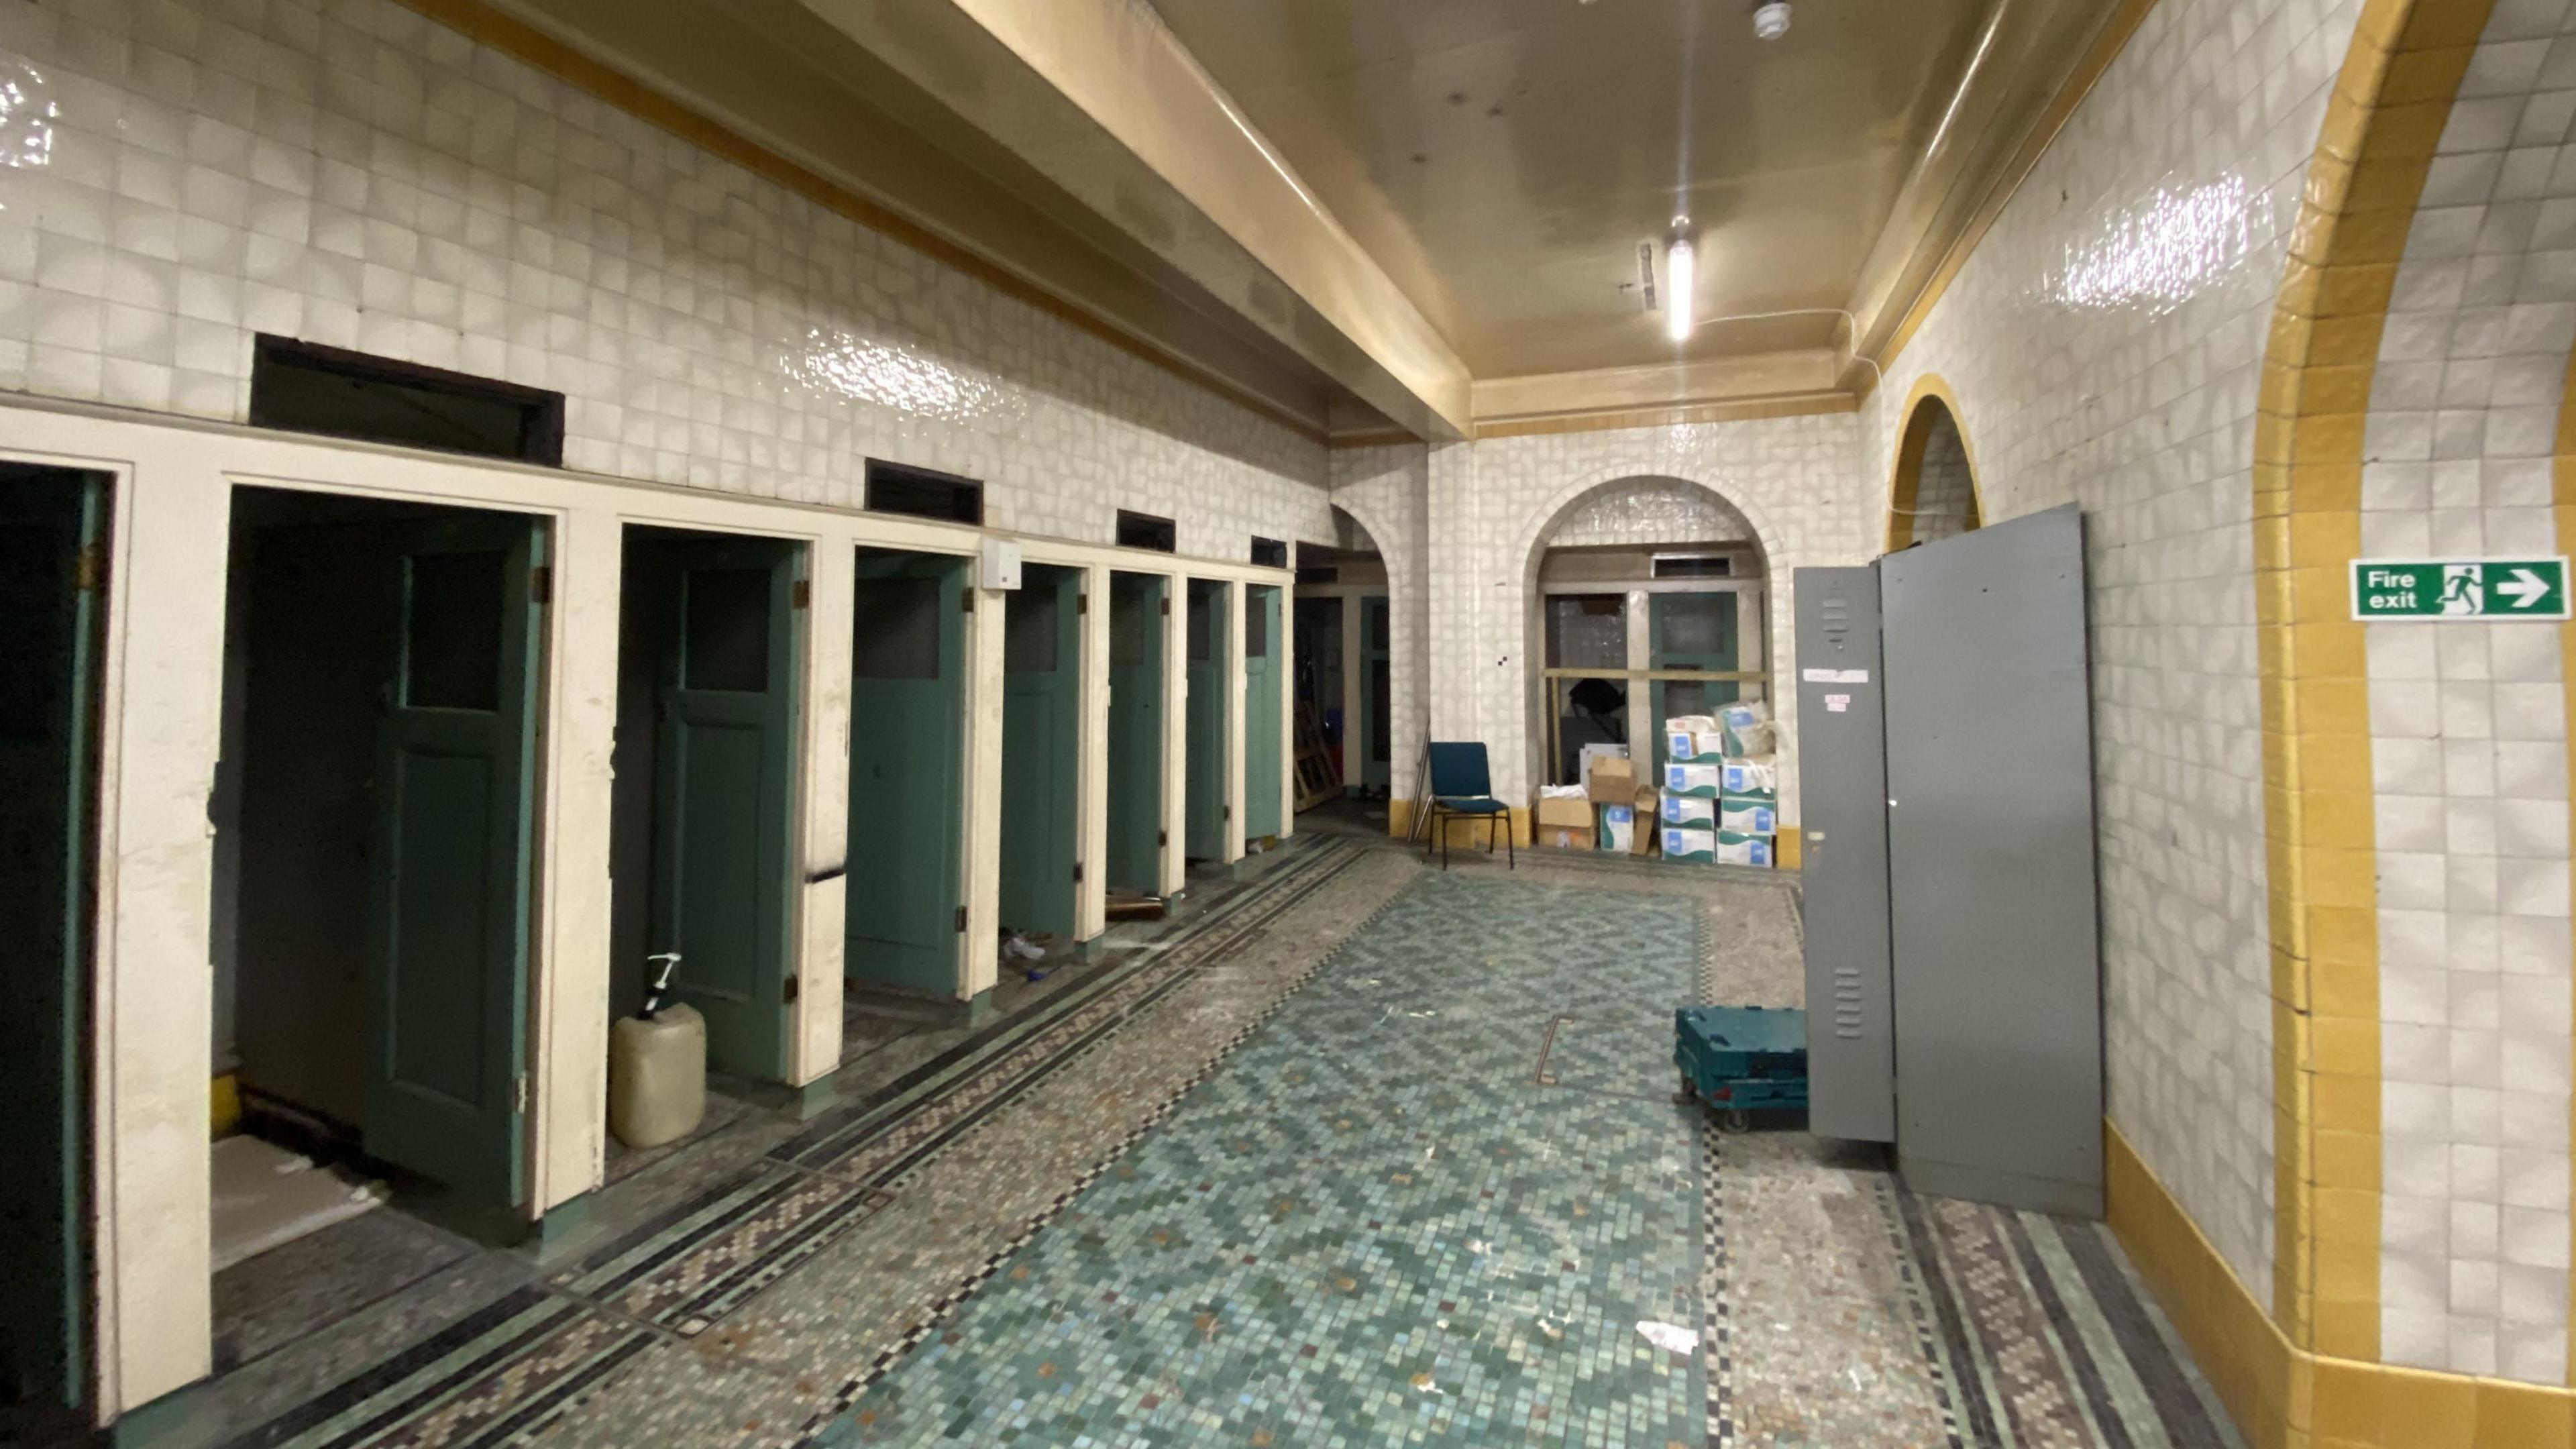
(1370, 1227)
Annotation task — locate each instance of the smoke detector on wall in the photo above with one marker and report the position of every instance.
(1771, 21)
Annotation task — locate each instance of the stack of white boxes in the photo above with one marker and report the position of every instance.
(1720, 798)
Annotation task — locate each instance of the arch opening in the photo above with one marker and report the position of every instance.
(1345, 669)
(1934, 493)
(1631, 579)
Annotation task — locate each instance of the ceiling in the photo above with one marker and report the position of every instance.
(1502, 159)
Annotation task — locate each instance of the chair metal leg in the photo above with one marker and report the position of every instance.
(1511, 850)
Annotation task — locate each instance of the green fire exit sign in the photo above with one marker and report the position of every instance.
(2459, 588)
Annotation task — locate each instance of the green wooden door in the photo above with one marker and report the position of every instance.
(1041, 675)
(907, 772)
(1688, 631)
(1375, 726)
(51, 527)
(448, 959)
(1136, 622)
(725, 767)
(1204, 811)
(1262, 744)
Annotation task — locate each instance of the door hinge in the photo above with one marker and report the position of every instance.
(1162, 837)
(1082, 603)
(1077, 872)
(801, 595)
(519, 1094)
(966, 600)
(789, 988)
(541, 584)
(1167, 606)
(89, 569)
(1226, 814)
(961, 920)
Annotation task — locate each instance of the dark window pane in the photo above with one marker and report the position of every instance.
(1375, 621)
(894, 488)
(1270, 553)
(728, 630)
(1144, 530)
(1698, 624)
(1685, 696)
(1029, 629)
(898, 629)
(1582, 635)
(1256, 627)
(35, 578)
(1701, 566)
(312, 389)
(452, 631)
(1202, 630)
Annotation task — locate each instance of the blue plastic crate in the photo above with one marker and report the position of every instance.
(1741, 1059)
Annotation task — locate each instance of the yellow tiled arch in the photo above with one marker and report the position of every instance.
(1907, 474)
(2307, 1372)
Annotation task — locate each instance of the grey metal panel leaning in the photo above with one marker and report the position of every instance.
(1990, 829)
(1842, 764)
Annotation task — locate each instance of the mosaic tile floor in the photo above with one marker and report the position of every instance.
(1358, 1153)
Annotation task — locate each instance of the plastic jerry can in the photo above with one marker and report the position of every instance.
(657, 1076)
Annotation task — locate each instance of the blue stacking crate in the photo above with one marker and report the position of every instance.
(1742, 1059)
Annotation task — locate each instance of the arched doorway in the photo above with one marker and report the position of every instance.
(1933, 494)
(1648, 597)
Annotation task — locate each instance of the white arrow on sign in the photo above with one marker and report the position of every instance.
(2525, 588)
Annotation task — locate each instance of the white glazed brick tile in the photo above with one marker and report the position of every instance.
(2469, 732)
(356, 175)
(2095, 369)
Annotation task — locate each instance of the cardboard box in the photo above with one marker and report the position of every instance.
(1566, 837)
(1644, 806)
(1753, 779)
(1697, 811)
(1690, 778)
(1612, 782)
(1563, 812)
(1752, 850)
(1747, 817)
(1617, 828)
(1683, 843)
(1591, 756)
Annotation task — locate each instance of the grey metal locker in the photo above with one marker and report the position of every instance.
(1842, 770)
(1990, 833)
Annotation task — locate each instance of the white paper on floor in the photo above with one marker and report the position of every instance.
(1670, 1337)
(266, 1197)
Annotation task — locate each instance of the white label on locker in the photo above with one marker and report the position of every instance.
(1835, 676)
(1837, 703)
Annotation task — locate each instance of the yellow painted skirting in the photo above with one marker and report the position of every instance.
(2286, 1397)
(226, 1104)
(1905, 477)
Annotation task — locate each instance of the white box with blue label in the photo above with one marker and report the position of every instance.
(1683, 777)
(1734, 849)
(1757, 779)
(1692, 737)
(1747, 817)
(1617, 829)
(1684, 843)
(1698, 811)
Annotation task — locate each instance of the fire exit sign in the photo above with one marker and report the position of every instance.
(2459, 588)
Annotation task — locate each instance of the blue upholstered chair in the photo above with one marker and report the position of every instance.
(1462, 785)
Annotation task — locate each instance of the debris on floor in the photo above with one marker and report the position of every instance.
(266, 1197)
(1129, 907)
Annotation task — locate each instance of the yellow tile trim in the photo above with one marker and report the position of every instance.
(2563, 499)
(1905, 477)
(2283, 1396)
(2374, 147)
(529, 46)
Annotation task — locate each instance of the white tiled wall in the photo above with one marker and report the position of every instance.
(184, 173)
(1944, 494)
(1796, 482)
(1657, 510)
(2469, 731)
(2104, 341)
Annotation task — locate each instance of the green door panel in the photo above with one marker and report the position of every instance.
(1041, 674)
(48, 672)
(448, 954)
(725, 761)
(1136, 624)
(907, 772)
(1262, 742)
(1689, 631)
(1375, 726)
(1204, 811)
